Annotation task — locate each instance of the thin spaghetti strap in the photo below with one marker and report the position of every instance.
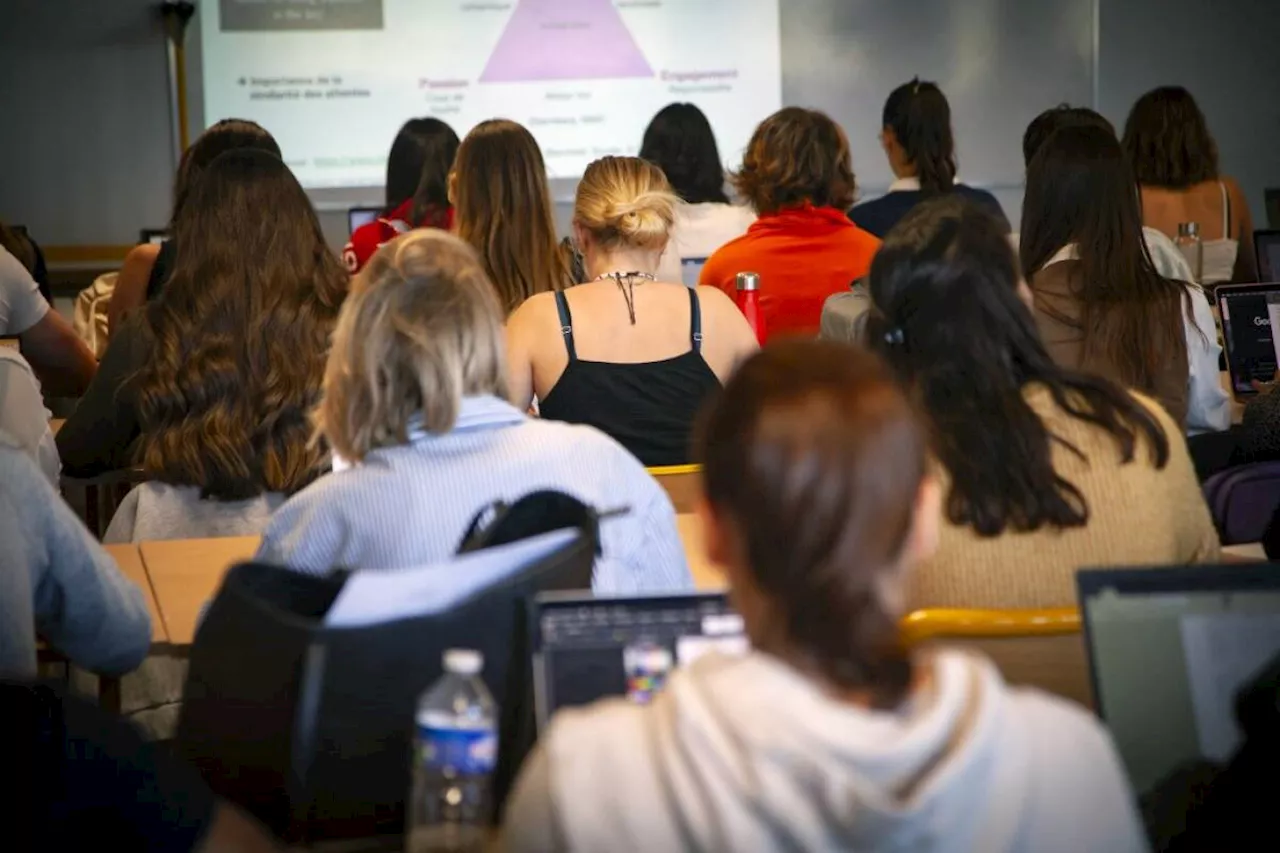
(695, 320)
(566, 324)
(1226, 211)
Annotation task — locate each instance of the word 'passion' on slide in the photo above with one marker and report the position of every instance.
(334, 79)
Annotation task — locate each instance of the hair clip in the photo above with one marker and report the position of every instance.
(894, 337)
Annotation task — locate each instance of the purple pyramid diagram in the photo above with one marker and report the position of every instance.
(565, 40)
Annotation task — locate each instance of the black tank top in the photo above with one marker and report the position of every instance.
(648, 408)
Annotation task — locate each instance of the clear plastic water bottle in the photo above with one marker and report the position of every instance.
(1191, 247)
(455, 752)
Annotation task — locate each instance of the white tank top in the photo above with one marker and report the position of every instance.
(1220, 255)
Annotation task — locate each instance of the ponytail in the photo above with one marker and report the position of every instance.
(920, 118)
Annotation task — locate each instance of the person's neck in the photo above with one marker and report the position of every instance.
(903, 170)
(622, 260)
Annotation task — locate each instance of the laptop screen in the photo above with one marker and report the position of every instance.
(1169, 650)
(1249, 312)
(358, 216)
(586, 649)
(1266, 245)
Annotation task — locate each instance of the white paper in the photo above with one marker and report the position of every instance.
(1223, 652)
(374, 596)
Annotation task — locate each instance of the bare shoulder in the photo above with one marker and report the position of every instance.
(533, 312)
(712, 298)
(144, 254)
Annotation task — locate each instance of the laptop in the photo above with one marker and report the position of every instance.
(1169, 648)
(1266, 247)
(1249, 312)
(358, 216)
(153, 235)
(587, 648)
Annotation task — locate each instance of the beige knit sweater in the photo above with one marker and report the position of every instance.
(1138, 515)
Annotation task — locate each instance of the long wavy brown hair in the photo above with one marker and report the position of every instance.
(239, 338)
(502, 207)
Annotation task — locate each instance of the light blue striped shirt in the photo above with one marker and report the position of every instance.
(410, 505)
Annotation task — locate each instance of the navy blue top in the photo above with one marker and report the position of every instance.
(879, 215)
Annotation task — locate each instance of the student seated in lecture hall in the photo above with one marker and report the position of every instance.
(415, 401)
(209, 389)
(827, 735)
(917, 140)
(23, 418)
(417, 188)
(1044, 469)
(679, 141)
(1099, 302)
(1175, 158)
(1208, 406)
(148, 266)
(61, 361)
(502, 207)
(798, 175)
(629, 353)
(1168, 261)
(58, 584)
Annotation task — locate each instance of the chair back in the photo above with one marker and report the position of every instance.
(1242, 500)
(683, 484)
(1040, 648)
(96, 499)
(309, 726)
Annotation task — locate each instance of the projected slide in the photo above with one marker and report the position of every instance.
(335, 79)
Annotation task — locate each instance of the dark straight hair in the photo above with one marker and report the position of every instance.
(920, 118)
(1168, 140)
(1081, 191)
(1052, 120)
(816, 457)
(418, 168)
(680, 142)
(949, 320)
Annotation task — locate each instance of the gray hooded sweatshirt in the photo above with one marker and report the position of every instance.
(746, 754)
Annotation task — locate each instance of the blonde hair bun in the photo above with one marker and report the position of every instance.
(626, 201)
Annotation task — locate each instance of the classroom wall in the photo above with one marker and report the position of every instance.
(86, 148)
(1225, 53)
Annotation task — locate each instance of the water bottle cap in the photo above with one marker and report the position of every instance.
(1188, 229)
(748, 281)
(463, 661)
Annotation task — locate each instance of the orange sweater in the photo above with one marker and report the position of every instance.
(803, 255)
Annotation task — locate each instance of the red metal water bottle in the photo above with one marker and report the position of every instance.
(749, 303)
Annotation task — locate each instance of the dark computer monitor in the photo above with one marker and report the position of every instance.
(1272, 197)
(1249, 312)
(1266, 247)
(1169, 648)
(587, 648)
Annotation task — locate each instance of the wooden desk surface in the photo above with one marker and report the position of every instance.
(185, 574)
(129, 559)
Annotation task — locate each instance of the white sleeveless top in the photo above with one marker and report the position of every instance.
(1220, 255)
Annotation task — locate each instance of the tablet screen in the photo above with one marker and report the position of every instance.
(1248, 316)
